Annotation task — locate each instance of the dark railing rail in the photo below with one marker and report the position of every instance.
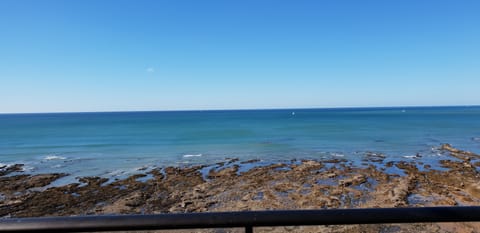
(245, 219)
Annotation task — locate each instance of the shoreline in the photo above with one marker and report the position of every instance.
(250, 185)
(430, 158)
(121, 144)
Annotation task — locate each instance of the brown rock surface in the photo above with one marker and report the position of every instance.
(305, 184)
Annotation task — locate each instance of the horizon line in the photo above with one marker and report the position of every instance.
(242, 109)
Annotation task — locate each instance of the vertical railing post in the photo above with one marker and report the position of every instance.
(248, 229)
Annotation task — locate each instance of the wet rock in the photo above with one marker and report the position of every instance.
(460, 154)
(21, 183)
(157, 173)
(374, 157)
(225, 172)
(42, 180)
(250, 161)
(5, 170)
(93, 181)
(408, 167)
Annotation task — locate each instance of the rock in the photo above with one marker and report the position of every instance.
(307, 184)
(374, 157)
(136, 200)
(331, 175)
(5, 170)
(474, 190)
(355, 180)
(401, 191)
(460, 154)
(93, 181)
(246, 198)
(225, 172)
(42, 180)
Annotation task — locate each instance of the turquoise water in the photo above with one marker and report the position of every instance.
(109, 144)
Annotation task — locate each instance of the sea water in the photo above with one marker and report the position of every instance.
(119, 143)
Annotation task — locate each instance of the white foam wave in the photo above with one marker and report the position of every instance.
(192, 155)
(27, 168)
(23, 167)
(115, 173)
(53, 157)
(337, 154)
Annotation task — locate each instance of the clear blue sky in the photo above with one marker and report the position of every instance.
(175, 54)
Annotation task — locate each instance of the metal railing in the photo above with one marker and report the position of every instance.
(244, 219)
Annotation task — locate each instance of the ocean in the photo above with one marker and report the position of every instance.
(117, 144)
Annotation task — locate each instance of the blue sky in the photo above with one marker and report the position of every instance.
(58, 56)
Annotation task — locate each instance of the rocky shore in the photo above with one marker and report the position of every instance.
(306, 184)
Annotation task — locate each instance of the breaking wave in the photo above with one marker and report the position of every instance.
(192, 155)
(53, 157)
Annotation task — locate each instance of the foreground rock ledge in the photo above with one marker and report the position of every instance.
(303, 184)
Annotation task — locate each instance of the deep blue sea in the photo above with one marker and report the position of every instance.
(115, 144)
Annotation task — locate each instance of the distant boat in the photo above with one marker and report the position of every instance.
(293, 113)
(403, 110)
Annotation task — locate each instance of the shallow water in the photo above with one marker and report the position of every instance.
(119, 144)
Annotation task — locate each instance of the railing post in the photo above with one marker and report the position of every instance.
(248, 229)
